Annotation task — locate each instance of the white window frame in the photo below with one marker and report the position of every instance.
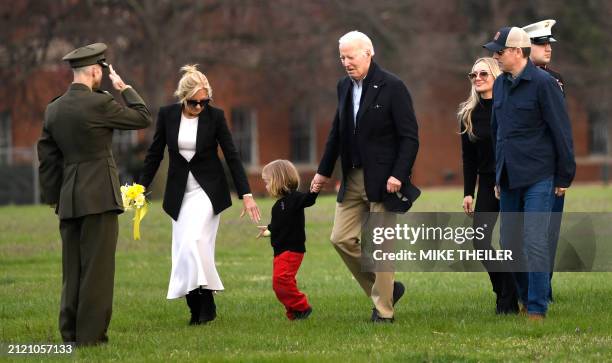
(6, 136)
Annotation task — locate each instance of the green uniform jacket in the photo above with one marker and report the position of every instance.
(77, 169)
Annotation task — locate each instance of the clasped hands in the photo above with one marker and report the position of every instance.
(393, 184)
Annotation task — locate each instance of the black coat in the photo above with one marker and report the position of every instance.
(205, 165)
(556, 75)
(287, 225)
(387, 133)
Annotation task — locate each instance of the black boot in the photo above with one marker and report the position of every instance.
(193, 301)
(208, 309)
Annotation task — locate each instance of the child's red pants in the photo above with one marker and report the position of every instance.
(285, 267)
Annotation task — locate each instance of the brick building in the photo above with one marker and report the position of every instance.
(265, 130)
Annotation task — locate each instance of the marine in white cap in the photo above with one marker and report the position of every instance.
(541, 37)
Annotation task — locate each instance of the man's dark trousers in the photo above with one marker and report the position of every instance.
(555, 230)
(88, 271)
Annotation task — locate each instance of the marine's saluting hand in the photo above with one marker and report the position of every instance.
(118, 83)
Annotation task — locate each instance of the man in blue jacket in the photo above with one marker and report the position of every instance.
(534, 160)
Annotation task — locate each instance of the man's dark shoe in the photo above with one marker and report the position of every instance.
(101, 341)
(398, 291)
(300, 315)
(378, 319)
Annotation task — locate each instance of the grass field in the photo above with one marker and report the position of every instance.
(443, 316)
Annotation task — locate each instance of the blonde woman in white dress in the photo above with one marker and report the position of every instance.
(196, 189)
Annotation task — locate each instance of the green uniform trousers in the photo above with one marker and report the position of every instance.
(88, 272)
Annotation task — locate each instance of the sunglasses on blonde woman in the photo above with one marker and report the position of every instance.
(482, 74)
(201, 103)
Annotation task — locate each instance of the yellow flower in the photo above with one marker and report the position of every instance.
(126, 202)
(139, 189)
(133, 198)
(139, 201)
(131, 193)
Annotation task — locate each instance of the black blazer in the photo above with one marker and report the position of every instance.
(387, 133)
(205, 164)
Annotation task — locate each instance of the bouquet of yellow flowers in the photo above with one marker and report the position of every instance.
(134, 199)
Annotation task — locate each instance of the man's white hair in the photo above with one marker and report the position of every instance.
(358, 38)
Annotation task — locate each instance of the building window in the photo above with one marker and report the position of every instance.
(244, 133)
(598, 133)
(6, 139)
(124, 140)
(301, 133)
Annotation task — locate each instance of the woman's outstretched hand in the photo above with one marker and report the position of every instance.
(251, 208)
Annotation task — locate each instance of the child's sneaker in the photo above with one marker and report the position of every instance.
(300, 315)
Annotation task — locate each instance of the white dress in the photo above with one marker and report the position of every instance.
(195, 231)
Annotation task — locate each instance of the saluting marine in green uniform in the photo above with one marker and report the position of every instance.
(79, 176)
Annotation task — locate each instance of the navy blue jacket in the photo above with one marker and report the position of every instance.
(532, 135)
(386, 134)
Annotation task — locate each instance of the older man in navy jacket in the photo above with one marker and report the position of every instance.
(375, 134)
(534, 160)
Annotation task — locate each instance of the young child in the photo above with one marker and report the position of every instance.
(286, 230)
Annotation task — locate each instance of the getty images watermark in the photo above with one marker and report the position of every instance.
(434, 241)
(412, 234)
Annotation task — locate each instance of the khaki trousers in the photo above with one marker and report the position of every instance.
(346, 237)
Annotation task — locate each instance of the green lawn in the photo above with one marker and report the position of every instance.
(443, 316)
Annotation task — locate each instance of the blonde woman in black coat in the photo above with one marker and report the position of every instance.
(479, 168)
(196, 189)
